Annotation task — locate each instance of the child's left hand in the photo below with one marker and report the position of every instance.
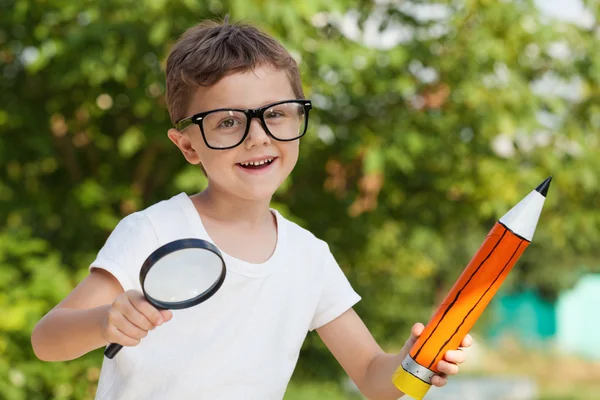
(449, 364)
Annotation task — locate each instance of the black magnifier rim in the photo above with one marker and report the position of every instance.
(169, 248)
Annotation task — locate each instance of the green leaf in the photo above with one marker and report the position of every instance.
(131, 141)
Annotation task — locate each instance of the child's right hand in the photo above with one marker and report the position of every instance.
(130, 317)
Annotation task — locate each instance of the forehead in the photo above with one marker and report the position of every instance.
(248, 89)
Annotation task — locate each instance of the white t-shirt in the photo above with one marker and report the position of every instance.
(242, 343)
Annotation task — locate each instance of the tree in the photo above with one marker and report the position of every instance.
(430, 121)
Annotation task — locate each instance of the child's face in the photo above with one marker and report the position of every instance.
(247, 90)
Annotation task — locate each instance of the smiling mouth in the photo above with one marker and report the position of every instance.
(257, 164)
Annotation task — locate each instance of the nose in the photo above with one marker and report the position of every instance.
(257, 136)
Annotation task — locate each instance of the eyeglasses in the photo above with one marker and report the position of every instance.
(226, 128)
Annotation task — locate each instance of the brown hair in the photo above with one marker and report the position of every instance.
(209, 51)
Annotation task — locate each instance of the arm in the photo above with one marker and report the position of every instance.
(80, 314)
(367, 364)
(94, 314)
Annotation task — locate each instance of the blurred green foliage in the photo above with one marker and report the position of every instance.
(431, 120)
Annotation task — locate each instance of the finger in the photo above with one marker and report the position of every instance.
(115, 335)
(150, 313)
(467, 341)
(124, 326)
(447, 368)
(455, 356)
(131, 312)
(416, 330)
(166, 314)
(439, 380)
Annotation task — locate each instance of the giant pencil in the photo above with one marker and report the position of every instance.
(471, 293)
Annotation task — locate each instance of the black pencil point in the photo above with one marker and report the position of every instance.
(543, 188)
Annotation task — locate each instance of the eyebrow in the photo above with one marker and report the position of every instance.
(240, 107)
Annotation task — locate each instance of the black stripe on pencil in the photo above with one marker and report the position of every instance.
(458, 294)
(476, 304)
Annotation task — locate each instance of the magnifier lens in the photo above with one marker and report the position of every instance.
(183, 275)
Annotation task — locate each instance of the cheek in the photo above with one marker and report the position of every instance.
(214, 160)
(290, 152)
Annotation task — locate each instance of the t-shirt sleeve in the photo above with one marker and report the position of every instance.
(337, 295)
(126, 249)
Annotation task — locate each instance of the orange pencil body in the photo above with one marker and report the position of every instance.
(469, 296)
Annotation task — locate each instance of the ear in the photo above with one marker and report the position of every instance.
(184, 144)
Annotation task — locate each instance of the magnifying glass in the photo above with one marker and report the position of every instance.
(178, 275)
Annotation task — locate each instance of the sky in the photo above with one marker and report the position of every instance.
(567, 10)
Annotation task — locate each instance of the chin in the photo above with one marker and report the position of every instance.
(260, 194)
(260, 189)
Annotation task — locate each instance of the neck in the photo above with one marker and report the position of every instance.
(223, 206)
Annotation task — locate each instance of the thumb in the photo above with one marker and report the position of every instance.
(166, 314)
(415, 332)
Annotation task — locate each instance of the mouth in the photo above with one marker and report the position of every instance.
(258, 164)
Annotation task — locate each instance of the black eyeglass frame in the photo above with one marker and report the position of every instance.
(250, 115)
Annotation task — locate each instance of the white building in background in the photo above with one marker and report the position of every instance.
(578, 319)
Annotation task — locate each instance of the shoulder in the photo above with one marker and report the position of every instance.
(143, 231)
(302, 239)
(133, 224)
(166, 209)
(146, 222)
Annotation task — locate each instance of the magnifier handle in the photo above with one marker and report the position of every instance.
(112, 350)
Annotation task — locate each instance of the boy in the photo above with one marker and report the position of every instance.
(235, 97)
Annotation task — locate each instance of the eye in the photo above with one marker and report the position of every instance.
(271, 114)
(228, 123)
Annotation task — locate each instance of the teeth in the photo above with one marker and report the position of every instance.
(256, 163)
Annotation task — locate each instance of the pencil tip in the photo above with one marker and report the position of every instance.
(543, 188)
